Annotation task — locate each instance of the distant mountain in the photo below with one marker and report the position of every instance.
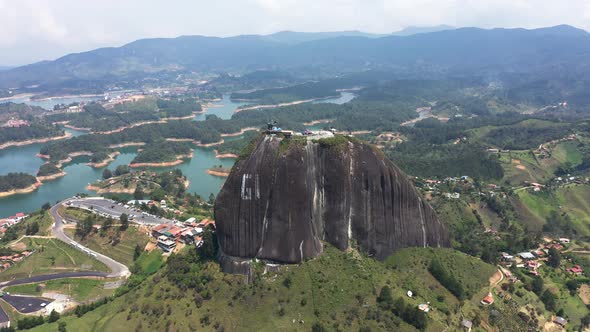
(412, 30)
(465, 51)
(292, 37)
(5, 68)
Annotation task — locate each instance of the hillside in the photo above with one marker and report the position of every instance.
(459, 51)
(338, 290)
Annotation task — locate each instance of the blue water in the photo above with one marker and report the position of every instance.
(224, 109)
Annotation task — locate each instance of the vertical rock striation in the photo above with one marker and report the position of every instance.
(288, 195)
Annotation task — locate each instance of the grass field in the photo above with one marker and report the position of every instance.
(120, 250)
(81, 290)
(571, 199)
(150, 262)
(337, 289)
(520, 166)
(51, 256)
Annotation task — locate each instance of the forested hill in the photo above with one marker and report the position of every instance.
(464, 51)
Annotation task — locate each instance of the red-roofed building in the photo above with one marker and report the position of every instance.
(489, 299)
(577, 269)
(206, 222)
(532, 265)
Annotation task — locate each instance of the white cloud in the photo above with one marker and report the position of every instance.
(43, 29)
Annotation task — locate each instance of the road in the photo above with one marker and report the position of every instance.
(117, 269)
(29, 304)
(47, 277)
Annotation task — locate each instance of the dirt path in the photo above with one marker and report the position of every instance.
(496, 278)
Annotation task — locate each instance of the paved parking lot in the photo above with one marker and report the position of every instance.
(113, 209)
(26, 304)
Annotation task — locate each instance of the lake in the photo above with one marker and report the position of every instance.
(79, 175)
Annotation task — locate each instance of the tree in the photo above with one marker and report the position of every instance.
(549, 300)
(53, 316)
(61, 327)
(384, 299)
(208, 250)
(124, 221)
(537, 285)
(586, 321)
(554, 258)
(137, 252)
(138, 193)
(107, 174)
(107, 223)
(572, 285)
(32, 228)
(121, 169)
(46, 206)
(211, 198)
(83, 228)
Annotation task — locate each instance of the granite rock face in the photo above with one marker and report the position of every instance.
(287, 196)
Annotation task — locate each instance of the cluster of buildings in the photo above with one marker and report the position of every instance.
(532, 260)
(189, 232)
(16, 123)
(8, 261)
(10, 221)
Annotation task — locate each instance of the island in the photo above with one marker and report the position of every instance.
(115, 116)
(18, 132)
(162, 154)
(49, 171)
(17, 183)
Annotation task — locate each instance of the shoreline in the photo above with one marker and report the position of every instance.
(19, 96)
(26, 190)
(296, 102)
(124, 145)
(44, 178)
(179, 160)
(220, 174)
(110, 158)
(238, 133)
(225, 155)
(34, 141)
(68, 96)
(208, 145)
(138, 124)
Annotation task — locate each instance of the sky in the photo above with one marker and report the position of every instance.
(35, 30)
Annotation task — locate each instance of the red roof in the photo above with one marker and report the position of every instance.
(488, 299)
(206, 222)
(175, 230)
(160, 227)
(575, 269)
(20, 215)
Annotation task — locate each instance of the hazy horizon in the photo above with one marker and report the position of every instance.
(36, 30)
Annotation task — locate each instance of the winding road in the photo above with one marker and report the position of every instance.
(117, 269)
(28, 304)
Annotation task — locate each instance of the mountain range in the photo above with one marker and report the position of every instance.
(464, 51)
